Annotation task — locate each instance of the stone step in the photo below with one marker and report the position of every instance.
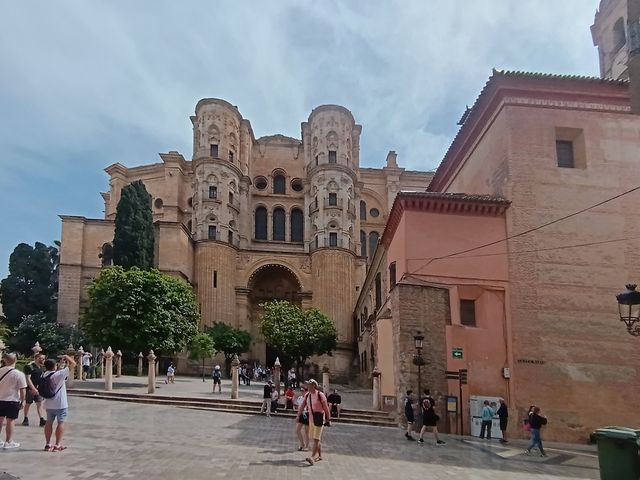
(352, 416)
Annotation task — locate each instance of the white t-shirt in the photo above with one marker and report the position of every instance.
(11, 384)
(86, 360)
(60, 399)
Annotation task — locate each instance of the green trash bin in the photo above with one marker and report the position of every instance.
(618, 453)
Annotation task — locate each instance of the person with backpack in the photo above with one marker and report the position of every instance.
(54, 391)
(33, 371)
(429, 421)
(217, 379)
(13, 385)
(536, 422)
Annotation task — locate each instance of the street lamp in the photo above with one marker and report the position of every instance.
(418, 360)
(629, 306)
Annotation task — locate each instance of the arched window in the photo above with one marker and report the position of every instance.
(373, 243)
(363, 243)
(279, 184)
(106, 255)
(619, 37)
(261, 223)
(363, 210)
(297, 225)
(278, 224)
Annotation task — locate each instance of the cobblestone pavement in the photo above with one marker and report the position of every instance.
(114, 440)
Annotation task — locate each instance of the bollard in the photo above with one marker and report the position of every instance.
(234, 377)
(71, 352)
(151, 385)
(140, 357)
(325, 379)
(276, 374)
(101, 360)
(108, 378)
(118, 363)
(80, 354)
(376, 388)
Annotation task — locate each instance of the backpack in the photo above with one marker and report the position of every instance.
(46, 387)
(216, 374)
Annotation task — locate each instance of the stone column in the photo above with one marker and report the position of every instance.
(276, 374)
(140, 357)
(235, 363)
(151, 385)
(101, 358)
(72, 353)
(80, 354)
(108, 379)
(2, 347)
(325, 379)
(118, 363)
(376, 388)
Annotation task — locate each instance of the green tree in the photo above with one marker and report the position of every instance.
(133, 241)
(53, 337)
(201, 348)
(297, 333)
(31, 286)
(229, 340)
(136, 310)
(5, 331)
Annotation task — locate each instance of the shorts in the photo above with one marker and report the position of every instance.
(10, 410)
(315, 433)
(503, 423)
(216, 381)
(30, 397)
(59, 413)
(85, 368)
(409, 416)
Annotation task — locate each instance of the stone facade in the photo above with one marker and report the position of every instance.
(247, 220)
(610, 34)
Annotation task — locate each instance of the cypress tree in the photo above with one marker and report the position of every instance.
(133, 241)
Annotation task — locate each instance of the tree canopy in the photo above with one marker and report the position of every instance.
(133, 241)
(296, 332)
(137, 310)
(31, 286)
(54, 338)
(201, 348)
(229, 340)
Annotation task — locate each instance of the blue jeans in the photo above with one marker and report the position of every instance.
(536, 440)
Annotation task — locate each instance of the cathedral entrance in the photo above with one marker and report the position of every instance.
(270, 282)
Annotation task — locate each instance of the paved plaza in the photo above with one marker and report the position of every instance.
(116, 440)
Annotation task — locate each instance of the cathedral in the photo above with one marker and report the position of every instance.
(249, 220)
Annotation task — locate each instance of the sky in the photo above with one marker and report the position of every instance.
(87, 84)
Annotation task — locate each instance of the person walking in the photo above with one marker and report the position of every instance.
(171, 374)
(33, 371)
(302, 421)
(86, 364)
(319, 417)
(217, 379)
(408, 414)
(503, 415)
(266, 398)
(487, 419)
(13, 385)
(536, 422)
(52, 387)
(429, 421)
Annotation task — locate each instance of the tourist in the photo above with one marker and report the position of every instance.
(503, 414)
(243, 374)
(289, 395)
(13, 384)
(536, 422)
(33, 372)
(302, 421)
(334, 400)
(274, 400)
(408, 414)
(171, 374)
(217, 379)
(426, 393)
(488, 411)
(319, 417)
(248, 375)
(86, 364)
(52, 387)
(291, 378)
(266, 398)
(429, 421)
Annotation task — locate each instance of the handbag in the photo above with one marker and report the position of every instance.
(318, 417)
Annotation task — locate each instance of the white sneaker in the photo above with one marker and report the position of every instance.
(10, 445)
(1, 444)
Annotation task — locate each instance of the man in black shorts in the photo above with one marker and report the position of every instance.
(334, 400)
(12, 387)
(33, 371)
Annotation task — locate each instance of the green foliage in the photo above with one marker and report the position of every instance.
(297, 333)
(201, 347)
(53, 337)
(137, 310)
(133, 241)
(228, 339)
(32, 284)
(5, 331)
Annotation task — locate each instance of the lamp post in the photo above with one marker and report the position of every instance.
(629, 307)
(418, 360)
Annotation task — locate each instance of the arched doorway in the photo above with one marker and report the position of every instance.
(270, 282)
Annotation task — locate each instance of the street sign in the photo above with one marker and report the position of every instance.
(463, 376)
(456, 352)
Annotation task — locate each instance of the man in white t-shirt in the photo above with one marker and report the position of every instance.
(57, 405)
(13, 385)
(86, 364)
